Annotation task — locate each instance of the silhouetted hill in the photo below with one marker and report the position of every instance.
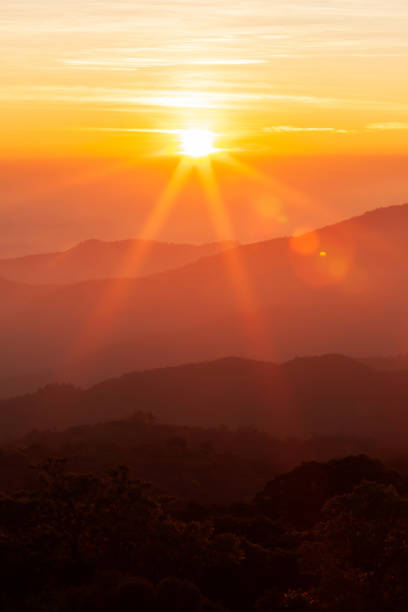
(204, 465)
(329, 396)
(95, 259)
(288, 495)
(268, 300)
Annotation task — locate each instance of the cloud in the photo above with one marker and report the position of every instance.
(216, 98)
(293, 128)
(391, 125)
(131, 130)
(133, 63)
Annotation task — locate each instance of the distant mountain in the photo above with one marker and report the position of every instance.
(341, 289)
(97, 259)
(328, 396)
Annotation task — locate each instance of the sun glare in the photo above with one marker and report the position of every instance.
(197, 143)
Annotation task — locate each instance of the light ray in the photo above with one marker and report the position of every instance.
(236, 270)
(101, 320)
(244, 168)
(281, 191)
(133, 263)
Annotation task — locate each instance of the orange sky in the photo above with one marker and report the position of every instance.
(280, 76)
(116, 81)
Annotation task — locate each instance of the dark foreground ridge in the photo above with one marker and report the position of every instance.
(326, 536)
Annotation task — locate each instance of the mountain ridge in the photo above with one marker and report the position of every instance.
(321, 395)
(100, 259)
(266, 302)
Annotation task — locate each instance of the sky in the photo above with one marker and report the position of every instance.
(118, 80)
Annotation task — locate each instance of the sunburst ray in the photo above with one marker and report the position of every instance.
(246, 301)
(100, 321)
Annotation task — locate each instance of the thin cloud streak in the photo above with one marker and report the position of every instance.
(131, 130)
(388, 126)
(293, 128)
(183, 98)
(127, 63)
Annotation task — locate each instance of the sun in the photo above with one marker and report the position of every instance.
(197, 143)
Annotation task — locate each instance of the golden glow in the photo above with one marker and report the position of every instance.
(197, 143)
(267, 74)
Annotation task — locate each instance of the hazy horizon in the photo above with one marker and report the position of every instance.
(59, 204)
